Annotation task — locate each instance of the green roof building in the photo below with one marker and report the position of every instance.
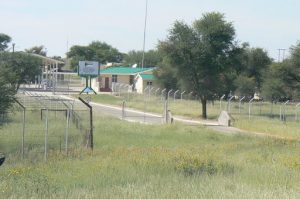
(136, 78)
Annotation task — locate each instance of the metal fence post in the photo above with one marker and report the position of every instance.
(156, 91)
(123, 110)
(221, 102)
(91, 122)
(240, 103)
(166, 111)
(23, 127)
(151, 88)
(169, 92)
(46, 135)
(296, 112)
(162, 93)
(284, 110)
(175, 95)
(250, 107)
(181, 95)
(67, 131)
(229, 104)
(144, 92)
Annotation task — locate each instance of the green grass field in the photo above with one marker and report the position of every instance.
(132, 160)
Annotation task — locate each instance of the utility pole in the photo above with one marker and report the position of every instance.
(13, 46)
(279, 53)
(145, 26)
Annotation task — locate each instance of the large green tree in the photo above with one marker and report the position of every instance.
(202, 54)
(4, 40)
(95, 51)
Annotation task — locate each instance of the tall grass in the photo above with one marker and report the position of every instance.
(131, 160)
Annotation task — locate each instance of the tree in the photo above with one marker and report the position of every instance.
(4, 40)
(95, 51)
(166, 75)
(202, 54)
(245, 86)
(40, 50)
(24, 66)
(152, 58)
(282, 80)
(7, 88)
(253, 64)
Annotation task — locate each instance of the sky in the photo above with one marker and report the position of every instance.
(60, 24)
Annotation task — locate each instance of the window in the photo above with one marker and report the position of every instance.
(149, 83)
(114, 78)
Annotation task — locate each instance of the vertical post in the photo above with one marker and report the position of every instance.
(284, 110)
(296, 112)
(250, 107)
(240, 103)
(280, 113)
(69, 84)
(23, 132)
(169, 92)
(181, 95)
(123, 110)
(221, 102)
(91, 122)
(56, 71)
(166, 111)
(272, 108)
(229, 104)
(90, 79)
(144, 99)
(162, 92)
(46, 136)
(86, 82)
(128, 87)
(67, 131)
(175, 95)
(156, 91)
(144, 92)
(23, 126)
(151, 88)
(91, 128)
(144, 41)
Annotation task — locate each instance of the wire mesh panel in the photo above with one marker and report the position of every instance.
(39, 124)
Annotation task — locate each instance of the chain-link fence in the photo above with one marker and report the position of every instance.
(184, 103)
(38, 124)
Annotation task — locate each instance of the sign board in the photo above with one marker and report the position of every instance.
(88, 68)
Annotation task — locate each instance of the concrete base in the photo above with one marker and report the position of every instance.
(225, 119)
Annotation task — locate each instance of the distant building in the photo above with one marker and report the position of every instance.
(138, 78)
(143, 81)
